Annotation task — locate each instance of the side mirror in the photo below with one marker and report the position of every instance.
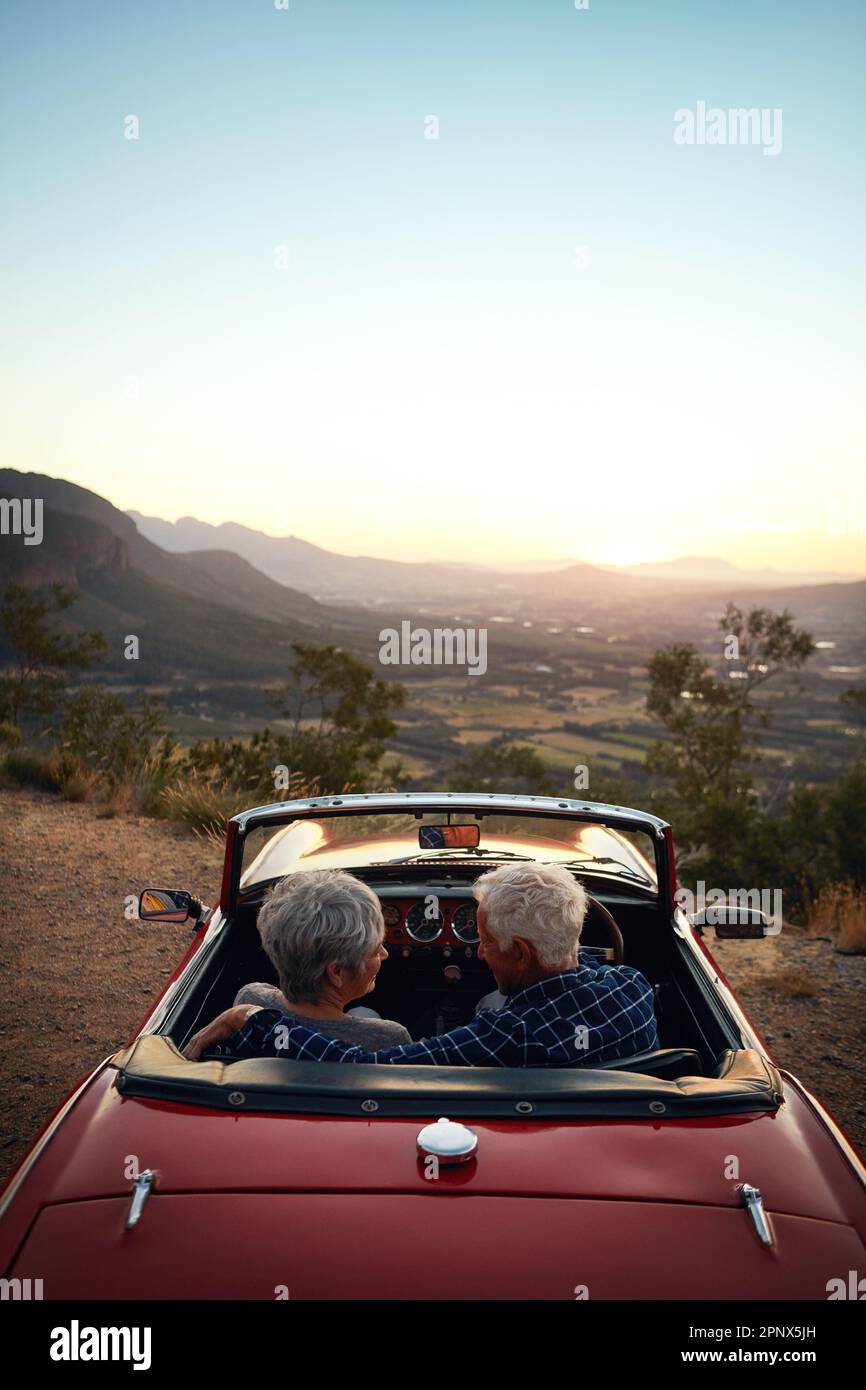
(734, 923)
(169, 905)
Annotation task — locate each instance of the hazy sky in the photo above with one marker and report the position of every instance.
(552, 330)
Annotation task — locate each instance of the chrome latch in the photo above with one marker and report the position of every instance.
(754, 1204)
(140, 1193)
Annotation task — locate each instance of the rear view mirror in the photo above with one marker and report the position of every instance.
(734, 923)
(449, 836)
(168, 905)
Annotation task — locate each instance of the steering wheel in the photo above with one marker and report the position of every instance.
(609, 929)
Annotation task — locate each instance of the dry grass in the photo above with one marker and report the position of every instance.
(206, 804)
(205, 808)
(792, 984)
(839, 911)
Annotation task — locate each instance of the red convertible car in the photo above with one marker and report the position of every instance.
(696, 1171)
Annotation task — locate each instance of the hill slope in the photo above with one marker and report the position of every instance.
(208, 614)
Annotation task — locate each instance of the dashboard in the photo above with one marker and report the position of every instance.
(432, 921)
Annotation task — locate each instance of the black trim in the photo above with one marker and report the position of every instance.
(153, 1069)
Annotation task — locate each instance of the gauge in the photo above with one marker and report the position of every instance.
(424, 923)
(391, 915)
(464, 925)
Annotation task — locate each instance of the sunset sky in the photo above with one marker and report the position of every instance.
(552, 331)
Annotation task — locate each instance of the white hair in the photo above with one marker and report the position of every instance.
(543, 903)
(313, 918)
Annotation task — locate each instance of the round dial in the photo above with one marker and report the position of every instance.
(421, 926)
(391, 915)
(464, 924)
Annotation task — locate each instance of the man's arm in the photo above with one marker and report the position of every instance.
(496, 1038)
(220, 1028)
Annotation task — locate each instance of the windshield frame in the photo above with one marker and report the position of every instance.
(285, 813)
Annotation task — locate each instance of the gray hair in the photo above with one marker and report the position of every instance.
(312, 918)
(543, 903)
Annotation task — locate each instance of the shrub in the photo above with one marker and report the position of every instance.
(10, 734)
(149, 784)
(793, 983)
(499, 766)
(206, 808)
(68, 776)
(206, 805)
(244, 767)
(839, 911)
(75, 789)
(125, 750)
(28, 767)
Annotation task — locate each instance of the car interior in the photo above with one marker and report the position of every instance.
(433, 979)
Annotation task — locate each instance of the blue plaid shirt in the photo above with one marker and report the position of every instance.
(592, 1013)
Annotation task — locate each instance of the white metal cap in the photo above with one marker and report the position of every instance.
(449, 1141)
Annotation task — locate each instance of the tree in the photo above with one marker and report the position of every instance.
(339, 716)
(853, 702)
(704, 719)
(504, 767)
(768, 643)
(710, 722)
(821, 837)
(709, 719)
(42, 656)
(110, 737)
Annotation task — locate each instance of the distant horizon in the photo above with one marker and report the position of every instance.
(538, 562)
(525, 563)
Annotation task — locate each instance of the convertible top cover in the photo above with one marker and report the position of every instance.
(153, 1069)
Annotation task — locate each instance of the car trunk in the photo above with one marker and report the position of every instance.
(438, 1244)
(193, 1149)
(333, 1206)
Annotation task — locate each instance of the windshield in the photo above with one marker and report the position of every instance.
(391, 838)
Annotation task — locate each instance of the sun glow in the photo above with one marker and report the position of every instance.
(621, 555)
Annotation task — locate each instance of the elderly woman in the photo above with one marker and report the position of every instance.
(553, 1010)
(324, 934)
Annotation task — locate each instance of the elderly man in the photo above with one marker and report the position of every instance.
(557, 1012)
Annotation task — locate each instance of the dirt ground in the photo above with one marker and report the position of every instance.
(806, 1000)
(76, 976)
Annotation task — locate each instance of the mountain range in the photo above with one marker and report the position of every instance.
(229, 600)
(330, 575)
(195, 613)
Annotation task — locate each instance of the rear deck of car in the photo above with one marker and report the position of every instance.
(339, 1207)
